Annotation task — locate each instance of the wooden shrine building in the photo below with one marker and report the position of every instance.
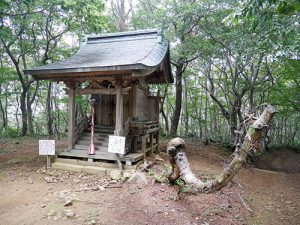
(116, 70)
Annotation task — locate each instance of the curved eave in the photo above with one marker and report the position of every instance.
(81, 70)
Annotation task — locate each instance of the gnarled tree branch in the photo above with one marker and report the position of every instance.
(251, 145)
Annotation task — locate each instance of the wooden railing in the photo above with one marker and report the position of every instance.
(143, 127)
(139, 131)
(80, 126)
(126, 127)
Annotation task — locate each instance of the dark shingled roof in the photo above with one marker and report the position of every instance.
(143, 53)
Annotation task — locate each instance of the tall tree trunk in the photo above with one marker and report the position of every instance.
(30, 100)
(49, 110)
(23, 111)
(29, 114)
(186, 111)
(163, 111)
(57, 115)
(205, 112)
(25, 85)
(3, 108)
(178, 100)
(119, 11)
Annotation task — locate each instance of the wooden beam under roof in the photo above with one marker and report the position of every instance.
(103, 91)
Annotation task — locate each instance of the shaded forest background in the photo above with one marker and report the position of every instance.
(229, 58)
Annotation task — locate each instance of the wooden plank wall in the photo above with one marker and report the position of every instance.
(106, 110)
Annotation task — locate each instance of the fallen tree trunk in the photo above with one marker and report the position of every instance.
(250, 146)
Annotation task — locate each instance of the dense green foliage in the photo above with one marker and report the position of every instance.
(228, 58)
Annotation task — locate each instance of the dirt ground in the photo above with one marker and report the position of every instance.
(30, 194)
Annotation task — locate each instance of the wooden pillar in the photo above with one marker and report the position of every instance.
(71, 121)
(157, 102)
(119, 111)
(157, 141)
(134, 107)
(119, 119)
(151, 142)
(144, 145)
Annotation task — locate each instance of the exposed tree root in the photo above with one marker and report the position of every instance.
(148, 164)
(250, 146)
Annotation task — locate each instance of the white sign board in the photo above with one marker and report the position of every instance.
(116, 144)
(46, 147)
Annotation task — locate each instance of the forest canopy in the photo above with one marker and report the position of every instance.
(229, 58)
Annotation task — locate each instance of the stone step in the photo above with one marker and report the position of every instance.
(81, 168)
(84, 162)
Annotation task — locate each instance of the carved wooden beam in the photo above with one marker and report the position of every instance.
(101, 91)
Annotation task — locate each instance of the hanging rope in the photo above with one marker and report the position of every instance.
(92, 150)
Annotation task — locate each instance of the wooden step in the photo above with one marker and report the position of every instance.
(98, 130)
(98, 143)
(86, 148)
(85, 138)
(104, 127)
(88, 134)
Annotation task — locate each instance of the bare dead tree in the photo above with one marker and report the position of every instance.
(250, 146)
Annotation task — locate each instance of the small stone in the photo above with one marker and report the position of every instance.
(288, 202)
(138, 178)
(70, 213)
(30, 181)
(93, 222)
(63, 194)
(278, 210)
(51, 213)
(116, 174)
(68, 203)
(101, 188)
(49, 179)
(126, 175)
(43, 206)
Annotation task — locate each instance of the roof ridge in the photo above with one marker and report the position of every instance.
(122, 34)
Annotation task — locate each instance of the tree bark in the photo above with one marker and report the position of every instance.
(251, 145)
(178, 100)
(3, 109)
(24, 111)
(163, 111)
(186, 111)
(49, 110)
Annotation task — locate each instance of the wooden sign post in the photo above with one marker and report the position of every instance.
(47, 147)
(116, 144)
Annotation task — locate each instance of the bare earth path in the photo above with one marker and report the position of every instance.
(29, 194)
